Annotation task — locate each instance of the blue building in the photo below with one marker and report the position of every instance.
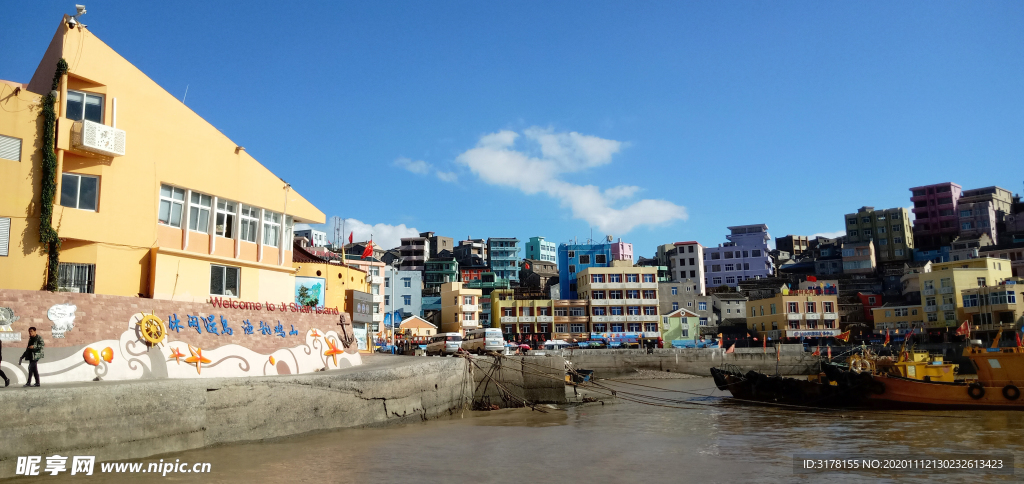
(938, 255)
(573, 259)
(403, 291)
(503, 257)
(538, 249)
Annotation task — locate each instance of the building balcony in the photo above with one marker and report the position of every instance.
(948, 307)
(617, 319)
(945, 290)
(648, 285)
(633, 302)
(508, 319)
(649, 302)
(794, 316)
(831, 316)
(377, 298)
(601, 302)
(931, 309)
(378, 317)
(527, 319)
(927, 292)
(607, 285)
(469, 308)
(812, 316)
(545, 319)
(376, 279)
(600, 319)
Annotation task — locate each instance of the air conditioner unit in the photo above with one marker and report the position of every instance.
(98, 138)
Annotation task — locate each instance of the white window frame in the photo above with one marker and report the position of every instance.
(224, 280)
(271, 228)
(229, 219)
(171, 202)
(78, 191)
(196, 209)
(250, 219)
(5, 236)
(85, 99)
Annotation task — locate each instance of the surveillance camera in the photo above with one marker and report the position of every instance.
(72, 23)
(80, 9)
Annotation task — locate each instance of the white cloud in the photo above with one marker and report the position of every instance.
(829, 235)
(419, 167)
(538, 166)
(385, 236)
(448, 176)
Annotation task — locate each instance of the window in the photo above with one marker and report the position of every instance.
(729, 267)
(572, 269)
(793, 307)
(225, 219)
(250, 219)
(827, 307)
(171, 203)
(10, 148)
(689, 304)
(406, 300)
(966, 226)
(851, 221)
(467, 299)
(717, 268)
(617, 327)
(794, 325)
(271, 228)
(881, 230)
(692, 274)
(79, 191)
(650, 294)
(715, 256)
(632, 294)
(5, 235)
(572, 253)
(597, 278)
(896, 228)
(73, 277)
(865, 219)
(946, 282)
(616, 310)
(84, 106)
(981, 282)
(584, 259)
(199, 212)
(755, 253)
(675, 306)
(675, 290)
(871, 300)
(648, 278)
(614, 277)
(746, 267)
(702, 306)
(600, 259)
(728, 255)
(810, 306)
(614, 294)
(632, 278)
(650, 311)
(745, 254)
(597, 294)
(867, 232)
(224, 280)
(691, 262)
(716, 281)
(576, 327)
(730, 280)
(387, 300)
(703, 321)
(598, 311)
(468, 316)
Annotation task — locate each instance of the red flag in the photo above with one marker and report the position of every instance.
(886, 338)
(368, 251)
(350, 237)
(829, 353)
(845, 337)
(732, 349)
(817, 351)
(1018, 338)
(964, 329)
(526, 266)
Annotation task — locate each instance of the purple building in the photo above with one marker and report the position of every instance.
(744, 257)
(936, 221)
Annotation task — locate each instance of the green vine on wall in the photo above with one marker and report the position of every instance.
(47, 234)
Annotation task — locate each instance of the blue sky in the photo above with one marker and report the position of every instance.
(654, 122)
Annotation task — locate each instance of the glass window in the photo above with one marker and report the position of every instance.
(600, 259)
(675, 290)
(755, 253)
(675, 306)
(406, 300)
(632, 278)
(85, 106)
(79, 191)
(171, 203)
(271, 228)
(584, 259)
(224, 280)
(702, 306)
(248, 225)
(73, 277)
(225, 226)
(598, 311)
(614, 277)
(199, 212)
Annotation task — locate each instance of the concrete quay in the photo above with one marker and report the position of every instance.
(127, 420)
(695, 361)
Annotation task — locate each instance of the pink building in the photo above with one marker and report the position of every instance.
(936, 221)
(621, 250)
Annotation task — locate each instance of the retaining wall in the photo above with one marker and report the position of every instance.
(613, 363)
(126, 420)
(537, 379)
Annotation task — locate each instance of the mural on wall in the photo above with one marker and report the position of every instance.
(309, 291)
(63, 318)
(7, 318)
(133, 356)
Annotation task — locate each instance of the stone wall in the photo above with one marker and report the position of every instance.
(694, 361)
(129, 420)
(536, 379)
(101, 317)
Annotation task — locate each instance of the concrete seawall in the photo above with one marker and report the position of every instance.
(507, 381)
(126, 420)
(614, 363)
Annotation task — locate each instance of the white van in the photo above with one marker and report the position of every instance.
(444, 344)
(484, 340)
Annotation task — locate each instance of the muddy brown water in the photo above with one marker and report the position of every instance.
(708, 439)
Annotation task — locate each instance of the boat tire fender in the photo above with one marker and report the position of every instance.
(1011, 392)
(976, 391)
(876, 387)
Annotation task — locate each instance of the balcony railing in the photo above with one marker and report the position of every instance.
(948, 307)
(794, 316)
(812, 316)
(469, 308)
(945, 290)
(931, 309)
(508, 319)
(544, 319)
(527, 319)
(831, 316)
(928, 292)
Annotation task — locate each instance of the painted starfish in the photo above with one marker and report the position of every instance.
(177, 355)
(333, 352)
(197, 358)
(315, 334)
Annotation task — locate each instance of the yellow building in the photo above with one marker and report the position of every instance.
(941, 289)
(460, 308)
(621, 297)
(416, 327)
(897, 318)
(150, 199)
(794, 314)
(522, 316)
(995, 306)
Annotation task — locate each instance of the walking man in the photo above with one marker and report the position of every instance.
(34, 353)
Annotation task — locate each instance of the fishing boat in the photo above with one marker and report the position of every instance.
(829, 389)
